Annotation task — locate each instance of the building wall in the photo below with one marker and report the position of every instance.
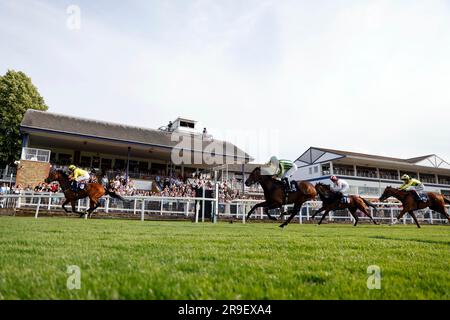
(31, 173)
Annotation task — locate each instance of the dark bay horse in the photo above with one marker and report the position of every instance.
(331, 203)
(92, 190)
(435, 202)
(275, 195)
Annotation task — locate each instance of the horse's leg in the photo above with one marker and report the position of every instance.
(355, 216)
(64, 205)
(74, 210)
(266, 211)
(92, 206)
(256, 206)
(323, 216)
(400, 215)
(364, 210)
(295, 210)
(317, 212)
(442, 211)
(413, 215)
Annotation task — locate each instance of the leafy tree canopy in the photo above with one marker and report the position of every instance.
(17, 95)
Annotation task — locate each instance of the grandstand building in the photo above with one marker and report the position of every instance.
(368, 175)
(141, 153)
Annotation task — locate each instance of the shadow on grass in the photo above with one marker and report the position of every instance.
(410, 239)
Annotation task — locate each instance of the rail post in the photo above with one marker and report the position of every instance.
(431, 216)
(197, 209)
(142, 209)
(216, 204)
(300, 220)
(107, 204)
(37, 208)
(243, 214)
(392, 215)
(203, 203)
(134, 206)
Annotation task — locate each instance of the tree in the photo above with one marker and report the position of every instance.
(17, 95)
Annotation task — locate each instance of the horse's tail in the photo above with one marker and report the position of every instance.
(370, 204)
(113, 194)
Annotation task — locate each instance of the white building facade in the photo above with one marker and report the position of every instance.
(368, 175)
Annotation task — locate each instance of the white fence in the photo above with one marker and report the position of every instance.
(196, 208)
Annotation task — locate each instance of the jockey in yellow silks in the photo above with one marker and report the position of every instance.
(282, 169)
(411, 184)
(78, 175)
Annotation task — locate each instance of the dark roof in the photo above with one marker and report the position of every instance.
(53, 122)
(370, 156)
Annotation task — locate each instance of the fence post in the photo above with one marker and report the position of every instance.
(186, 208)
(431, 216)
(392, 215)
(300, 220)
(134, 206)
(142, 211)
(307, 211)
(197, 209)
(49, 201)
(37, 208)
(107, 204)
(216, 205)
(243, 214)
(203, 203)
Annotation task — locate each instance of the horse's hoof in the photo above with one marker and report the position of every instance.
(282, 226)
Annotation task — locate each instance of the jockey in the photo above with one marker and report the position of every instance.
(78, 175)
(282, 169)
(411, 184)
(340, 186)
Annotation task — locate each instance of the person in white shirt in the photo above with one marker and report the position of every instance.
(341, 187)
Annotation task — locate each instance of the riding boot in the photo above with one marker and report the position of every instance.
(287, 188)
(74, 186)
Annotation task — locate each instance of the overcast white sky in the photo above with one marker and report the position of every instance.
(364, 76)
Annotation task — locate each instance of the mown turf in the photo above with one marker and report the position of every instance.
(180, 260)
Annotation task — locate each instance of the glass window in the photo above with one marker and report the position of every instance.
(119, 164)
(85, 162)
(388, 174)
(106, 164)
(64, 159)
(96, 162)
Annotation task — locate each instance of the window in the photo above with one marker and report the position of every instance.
(388, 174)
(133, 166)
(368, 191)
(344, 170)
(444, 180)
(158, 168)
(325, 169)
(85, 162)
(95, 162)
(316, 169)
(427, 178)
(119, 164)
(186, 124)
(366, 172)
(106, 164)
(143, 166)
(64, 159)
(310, 170)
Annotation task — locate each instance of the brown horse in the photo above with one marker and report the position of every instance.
(330, 202)
(275, 195)
(92, 190)
(435, 202)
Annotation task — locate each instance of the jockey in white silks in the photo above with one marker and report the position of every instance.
(341, 187)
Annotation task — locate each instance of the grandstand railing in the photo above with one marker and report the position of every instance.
(195, 208)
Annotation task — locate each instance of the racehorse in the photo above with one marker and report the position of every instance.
(274, 193)
(92, 190)
(331, 203)
(435, 202)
